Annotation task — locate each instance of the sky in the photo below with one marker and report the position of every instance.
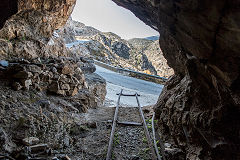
(106, 16)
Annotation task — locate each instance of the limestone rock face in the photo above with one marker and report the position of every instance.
(198, 110)
(30, 31)
(56, 11)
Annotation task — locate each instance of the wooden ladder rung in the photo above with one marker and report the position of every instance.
(126, 123)
(133, 95)
(129, 123)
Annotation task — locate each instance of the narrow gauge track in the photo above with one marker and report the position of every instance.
(143, 124)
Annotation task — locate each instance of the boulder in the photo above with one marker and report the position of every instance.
(54, 87)
(30, 141)
(17, 86)
(3, 63)
(38, 148)
(97, 87)
(65, 87)
(27, 83)
(67, 69)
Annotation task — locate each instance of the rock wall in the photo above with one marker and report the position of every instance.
(198, 110)
(56, 12)
(29, 33)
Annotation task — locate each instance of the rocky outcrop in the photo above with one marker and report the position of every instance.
(74, 28)
(198, 110)
(55, 13)
(28, 33)
(29, 39)
(152, 53)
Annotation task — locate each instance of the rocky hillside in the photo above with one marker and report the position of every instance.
(149, 50)
(73, 28)
(136, 54)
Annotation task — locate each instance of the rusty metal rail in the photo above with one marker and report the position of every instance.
(109, 153)
(115, 121)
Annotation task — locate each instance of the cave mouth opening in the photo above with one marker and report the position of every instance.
(7, 9)
(134, 44)
(91, 35)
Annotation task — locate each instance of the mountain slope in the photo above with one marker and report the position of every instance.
(139, 54)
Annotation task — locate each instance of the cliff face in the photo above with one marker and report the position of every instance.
(28, 33)
(198, 109)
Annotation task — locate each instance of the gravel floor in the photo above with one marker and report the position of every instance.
(129, 141)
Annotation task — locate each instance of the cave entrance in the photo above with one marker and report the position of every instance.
(122, 39)
(114, 37)
(7, 9)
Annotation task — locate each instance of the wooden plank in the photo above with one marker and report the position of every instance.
(154, 157)
(109, 152)
(128, 94)
(129, 123)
